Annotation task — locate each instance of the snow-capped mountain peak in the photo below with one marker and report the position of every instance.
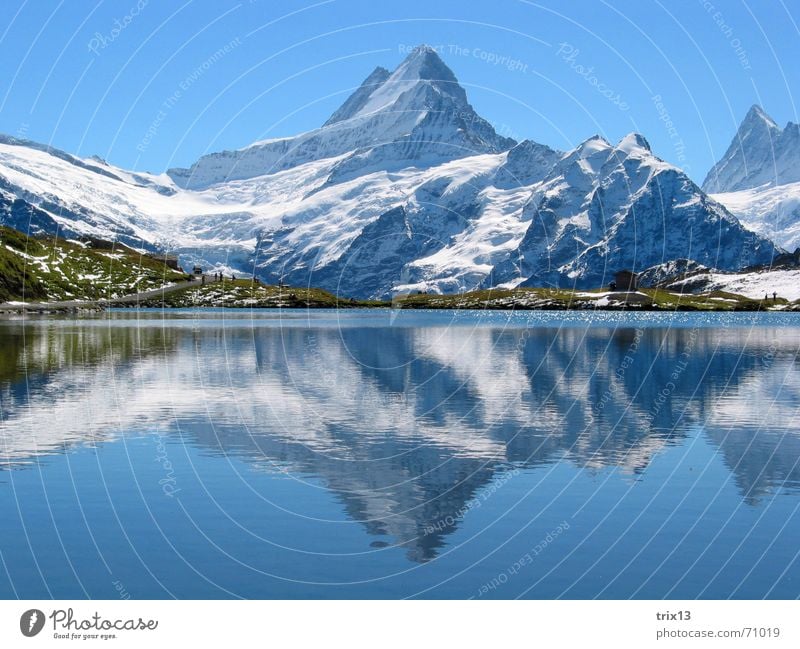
(756, 116)
(404, 188)
(634, 143)
(407, 88)
(416, 115)
(760, 153)
(758, 178)
(606, 207)
(424, 63)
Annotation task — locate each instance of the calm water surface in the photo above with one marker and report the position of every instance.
(379, 454)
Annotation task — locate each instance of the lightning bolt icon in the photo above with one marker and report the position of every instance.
(32, 621)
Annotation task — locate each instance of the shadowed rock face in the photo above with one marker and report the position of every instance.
(408, 426)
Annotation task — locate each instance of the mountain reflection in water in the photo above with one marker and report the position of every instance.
(406, 424)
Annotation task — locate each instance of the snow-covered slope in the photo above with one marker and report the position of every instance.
(755, 285)
(79, 197)
(773, 212)
(758, 178)
(404, 188)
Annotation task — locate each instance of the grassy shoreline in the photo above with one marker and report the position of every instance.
(249, 294)
(244, 294)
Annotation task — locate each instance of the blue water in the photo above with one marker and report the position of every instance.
(377, 454)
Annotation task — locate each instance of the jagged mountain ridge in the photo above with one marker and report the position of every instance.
(418, 112)
(404, 188)
(607, 207)
(761, 153)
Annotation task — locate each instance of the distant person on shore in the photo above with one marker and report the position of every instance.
(774, 296)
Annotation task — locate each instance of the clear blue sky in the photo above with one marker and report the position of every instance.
(72, 78)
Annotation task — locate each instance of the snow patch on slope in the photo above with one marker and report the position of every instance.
(773, 212)
(786, 283)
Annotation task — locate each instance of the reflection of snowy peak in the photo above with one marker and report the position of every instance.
(404, 188)
(418, 113)
(407, 468)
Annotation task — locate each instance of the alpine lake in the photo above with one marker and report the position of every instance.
(379, 453)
